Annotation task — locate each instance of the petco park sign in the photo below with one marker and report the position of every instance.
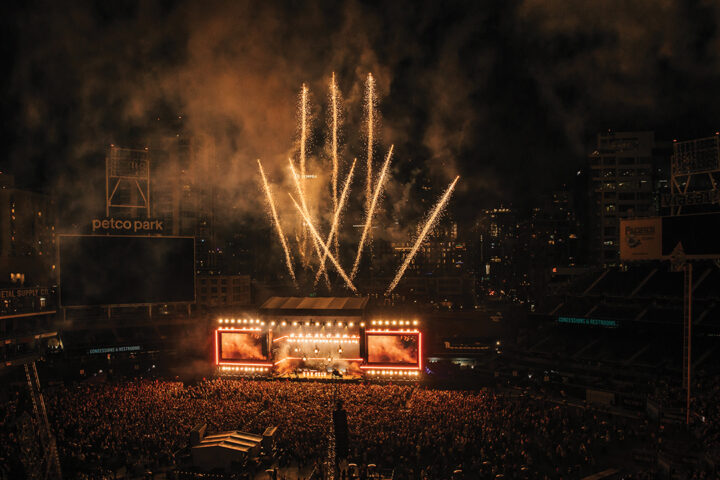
(120, 225)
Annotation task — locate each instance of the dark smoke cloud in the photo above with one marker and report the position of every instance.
(507, 94)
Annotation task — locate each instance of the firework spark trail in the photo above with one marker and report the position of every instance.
(371, 210)
(303, 142)
(428, 225)
(370, 100)
(303, 133)
(325, 248)
(305, 209)
(336, 218)
(334, 99)
(288, 260)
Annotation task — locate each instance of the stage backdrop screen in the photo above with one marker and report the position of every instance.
(401, 349)
(125, 270)
(236, 346)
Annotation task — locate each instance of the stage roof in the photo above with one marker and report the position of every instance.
(348, 304)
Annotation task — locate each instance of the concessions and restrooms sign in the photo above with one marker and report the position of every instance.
(120, 225)
(641, 239)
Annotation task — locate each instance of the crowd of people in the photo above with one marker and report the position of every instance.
(421, 433)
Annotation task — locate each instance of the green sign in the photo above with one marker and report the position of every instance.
(595, 322)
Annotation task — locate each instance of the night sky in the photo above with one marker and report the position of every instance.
(508, 94)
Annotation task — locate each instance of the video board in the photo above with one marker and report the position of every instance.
(125, 270)
(241, 346)
(393, 348)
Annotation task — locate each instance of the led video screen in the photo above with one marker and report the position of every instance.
(125, 270)
(242, 346)
(400, 349)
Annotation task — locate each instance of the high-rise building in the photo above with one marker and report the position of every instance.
(441, 253)
(552, 240)
(500, 262)
(621, 186)
(27, 235)
(183, 193)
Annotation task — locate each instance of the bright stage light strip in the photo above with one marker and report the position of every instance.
(428, 225)
(336, 219)
(396, 332)
(338, 359)
(327, 251)
(240, 329)
(243, 364)
(371, 211)
(288, 259)
(315, 239)
(334, 337)
(388, 367)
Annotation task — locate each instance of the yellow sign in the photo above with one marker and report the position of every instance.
(641, 239)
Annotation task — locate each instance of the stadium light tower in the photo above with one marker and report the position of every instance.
(127, 180)
(679, 263)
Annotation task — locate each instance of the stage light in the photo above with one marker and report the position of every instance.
(340, 324)
(272, 323)
(387, 322)
(415, 322)
(294, 324)
(328, 324)
(351, 324)
(362, 324)
(262, 323)
(394, 322)
(283, 323)
(497, 343)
